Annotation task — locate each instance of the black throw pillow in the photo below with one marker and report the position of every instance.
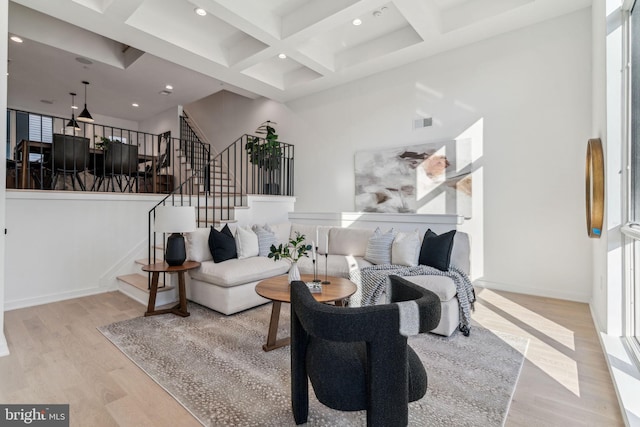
(436, 250)
(222, 244)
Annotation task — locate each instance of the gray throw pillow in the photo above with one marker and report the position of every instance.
(379, 247)
(266, 238)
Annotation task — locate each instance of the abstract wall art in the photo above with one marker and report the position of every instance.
(429, 178)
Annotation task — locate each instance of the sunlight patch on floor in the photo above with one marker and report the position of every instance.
(551, 345)
(553, 330)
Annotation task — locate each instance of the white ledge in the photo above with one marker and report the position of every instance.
(626, 377)
(79, 195)
(377, 217)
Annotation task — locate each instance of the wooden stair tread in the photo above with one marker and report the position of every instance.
(141, 282)
(147, 261)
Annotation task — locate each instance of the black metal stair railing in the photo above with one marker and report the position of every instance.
(196, 152)
(224, 181)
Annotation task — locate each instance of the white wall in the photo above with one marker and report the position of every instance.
(62, 245)
(168, 120)
(4, 39)
(524, 97)
(224, 117)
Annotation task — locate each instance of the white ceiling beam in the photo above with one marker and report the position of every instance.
(424, 16)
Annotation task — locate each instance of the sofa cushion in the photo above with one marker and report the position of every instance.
(461, 252)
(222, 244)
(436, 249)
(379, 247)
(337, 265)
(266, 238)
(246, 243)
(308, 231)
(239, 271)
(349, 241)
(442, 286)
(406, 249)
(197, 243)
(282, 230)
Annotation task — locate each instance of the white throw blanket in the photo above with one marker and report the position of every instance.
(372, 282)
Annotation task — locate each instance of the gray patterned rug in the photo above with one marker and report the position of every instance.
(215, 367)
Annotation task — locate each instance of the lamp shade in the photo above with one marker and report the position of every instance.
(175, 219)
(85, 116)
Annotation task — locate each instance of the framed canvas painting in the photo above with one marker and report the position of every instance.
(429, 178)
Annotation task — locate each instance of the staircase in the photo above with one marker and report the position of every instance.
(218, 187)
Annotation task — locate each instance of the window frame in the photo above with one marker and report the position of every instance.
(631, 220)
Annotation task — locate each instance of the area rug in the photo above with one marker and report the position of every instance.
(215, 367)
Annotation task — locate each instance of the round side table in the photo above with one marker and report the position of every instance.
(162, 267)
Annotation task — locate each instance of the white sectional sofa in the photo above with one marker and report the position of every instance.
(229, 286)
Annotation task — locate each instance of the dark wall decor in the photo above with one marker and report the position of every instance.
(164, 150)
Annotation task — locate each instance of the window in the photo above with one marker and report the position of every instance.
(34, 127)
(40, 128)
(118, 138)
(632, 229)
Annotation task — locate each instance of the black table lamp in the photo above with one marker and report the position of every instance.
(175, 220)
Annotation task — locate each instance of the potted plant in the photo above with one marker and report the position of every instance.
(293, 250)
(103, 142)
(266, 153)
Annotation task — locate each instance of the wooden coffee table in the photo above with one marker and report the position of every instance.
(277, 290)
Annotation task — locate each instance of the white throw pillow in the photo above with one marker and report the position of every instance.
(198, 245)
(246, 243)
(406, 249)
(379, 247)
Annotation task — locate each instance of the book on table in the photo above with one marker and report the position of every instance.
(314, 287)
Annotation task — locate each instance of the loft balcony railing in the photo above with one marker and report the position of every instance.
(225, 181)
(43, 153)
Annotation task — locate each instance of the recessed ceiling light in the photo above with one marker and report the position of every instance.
(168, 87)
(75, 107)
(16, 39)
(356, 21)
(282, 56)
(200, 11)
(135, 104)
(164, 92)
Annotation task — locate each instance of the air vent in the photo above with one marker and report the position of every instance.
(422, 123)
(165, 92)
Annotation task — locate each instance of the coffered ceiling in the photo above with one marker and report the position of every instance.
(140, 45)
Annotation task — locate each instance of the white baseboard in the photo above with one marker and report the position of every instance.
(527, 290)
(46, 299)
(4, 347)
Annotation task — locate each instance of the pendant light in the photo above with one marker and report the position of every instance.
(73, 125)
(85, 116)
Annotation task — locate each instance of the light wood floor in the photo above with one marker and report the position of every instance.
(58, 356)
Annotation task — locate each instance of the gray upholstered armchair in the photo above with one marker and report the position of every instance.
(358, 358)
